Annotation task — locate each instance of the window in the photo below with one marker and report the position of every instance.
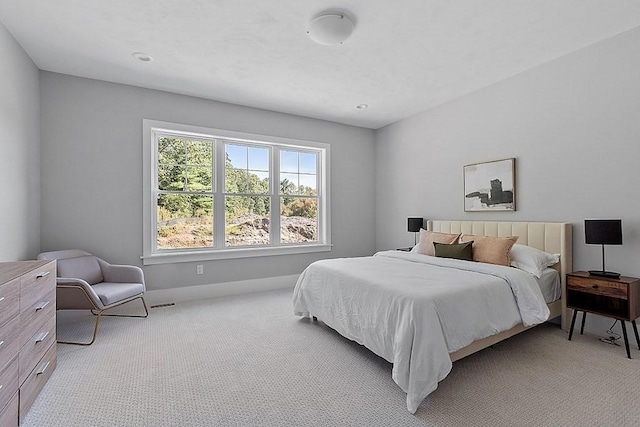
(212, 194)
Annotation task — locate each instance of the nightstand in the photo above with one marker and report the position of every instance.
(615, 298)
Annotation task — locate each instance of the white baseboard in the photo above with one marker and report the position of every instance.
(198, 292)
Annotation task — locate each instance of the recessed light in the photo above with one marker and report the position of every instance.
(143, 57)
(362, 106)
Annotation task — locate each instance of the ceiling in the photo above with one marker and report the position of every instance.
(404, 56)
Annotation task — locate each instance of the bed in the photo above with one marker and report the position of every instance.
(422, 313)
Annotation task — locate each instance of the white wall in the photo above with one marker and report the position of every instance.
(572, 124)
(19, 152)
(92, 175)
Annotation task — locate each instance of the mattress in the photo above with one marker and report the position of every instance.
(550, 285)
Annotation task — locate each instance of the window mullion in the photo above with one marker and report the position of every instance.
(154, 193)
(274, 212)
(218, 196)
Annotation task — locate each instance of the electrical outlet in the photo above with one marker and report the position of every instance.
(199, 269)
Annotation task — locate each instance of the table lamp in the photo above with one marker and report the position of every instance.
(603, 232)
(413, 226)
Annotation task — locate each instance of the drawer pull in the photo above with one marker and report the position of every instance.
(0, 386)
(42, 337)
(43, 274)
(594, 286)
(1, 299)
(1, 342)
(42, 305)
(44, 368)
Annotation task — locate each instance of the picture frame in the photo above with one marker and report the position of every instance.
(490, 186)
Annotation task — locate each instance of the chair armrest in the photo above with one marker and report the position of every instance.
(79, 283)
(121, 273)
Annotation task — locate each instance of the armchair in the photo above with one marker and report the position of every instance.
(86, 282)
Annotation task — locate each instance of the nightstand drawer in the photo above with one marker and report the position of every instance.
(598, 287)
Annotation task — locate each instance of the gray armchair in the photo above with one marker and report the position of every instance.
(86, 282)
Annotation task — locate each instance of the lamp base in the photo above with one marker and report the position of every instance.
(601, 273)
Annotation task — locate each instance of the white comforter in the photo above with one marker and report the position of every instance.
(413, 310)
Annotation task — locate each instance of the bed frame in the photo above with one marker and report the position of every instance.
(552, 237)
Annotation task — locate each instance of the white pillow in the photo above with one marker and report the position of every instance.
(531, 259)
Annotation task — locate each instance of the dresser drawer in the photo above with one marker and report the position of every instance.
(35, 284)
(35, 348)
(9, 341)
(9, 415)
(32, 319)
(8, 382)
(9, 300)
(36, 380)
(598, 287)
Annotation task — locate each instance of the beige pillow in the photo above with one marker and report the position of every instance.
(427, 238)
(492, 250)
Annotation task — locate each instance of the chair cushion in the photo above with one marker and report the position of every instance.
(111, 292)
(82, 267)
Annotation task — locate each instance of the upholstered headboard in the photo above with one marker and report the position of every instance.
(551, 237)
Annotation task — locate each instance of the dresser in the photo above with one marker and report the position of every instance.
(27, 335)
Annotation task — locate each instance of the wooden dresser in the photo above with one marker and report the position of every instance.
(27, 335)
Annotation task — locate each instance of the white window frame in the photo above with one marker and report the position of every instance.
(151, 255)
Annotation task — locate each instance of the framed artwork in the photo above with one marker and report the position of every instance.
(490, 186)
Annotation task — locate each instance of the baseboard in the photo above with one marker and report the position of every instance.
(214, 290)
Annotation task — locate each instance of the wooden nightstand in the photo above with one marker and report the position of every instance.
(615, 298)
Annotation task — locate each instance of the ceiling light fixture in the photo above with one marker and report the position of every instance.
(330, 28)
(143, 57)
(362, 106)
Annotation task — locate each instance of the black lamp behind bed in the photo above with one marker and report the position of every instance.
(413, 226)
(603, 232)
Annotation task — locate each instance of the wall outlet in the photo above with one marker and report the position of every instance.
(199, 269)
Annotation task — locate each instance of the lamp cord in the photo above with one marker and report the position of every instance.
(612, 336)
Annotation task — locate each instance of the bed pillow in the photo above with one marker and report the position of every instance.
(428, 238)
(458, 251)
(532, 260)
(492, 250)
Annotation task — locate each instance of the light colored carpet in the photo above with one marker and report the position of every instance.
(248, 361)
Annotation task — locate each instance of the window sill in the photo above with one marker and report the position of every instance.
(175, 257)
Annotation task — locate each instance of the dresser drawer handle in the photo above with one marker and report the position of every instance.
(41, 370)
(43, 274)
(1, 299)
(1, 342)
(42, 305)
(594, 286)
(42, 337)
(0, 386)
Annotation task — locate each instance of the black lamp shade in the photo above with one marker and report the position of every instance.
(603, 231)
(414, 224)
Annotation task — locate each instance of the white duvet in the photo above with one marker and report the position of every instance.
(413, 310)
